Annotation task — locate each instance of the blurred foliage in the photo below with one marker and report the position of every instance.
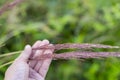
(63, 21)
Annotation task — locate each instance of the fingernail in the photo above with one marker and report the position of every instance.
(45, 40)
(27, 46)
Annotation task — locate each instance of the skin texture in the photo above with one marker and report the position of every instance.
(22, 69)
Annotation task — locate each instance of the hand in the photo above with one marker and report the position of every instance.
(23, 69)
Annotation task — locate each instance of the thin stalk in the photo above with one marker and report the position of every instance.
(8, 63)
(10, 5)
(9, 54)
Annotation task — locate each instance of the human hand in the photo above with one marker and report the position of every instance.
(23, 69)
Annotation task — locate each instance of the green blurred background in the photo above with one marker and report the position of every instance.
(64, 21)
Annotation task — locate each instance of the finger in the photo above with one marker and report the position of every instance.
(24, 56)
(40, 44)
(45, 42)
(46, 63)
(32, 63)
(36, 68)
(33, 74)
(36, 44)
(38, 52)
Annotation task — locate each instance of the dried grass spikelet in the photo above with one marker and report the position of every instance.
(8, 6)
(70, 55)
(77, 54)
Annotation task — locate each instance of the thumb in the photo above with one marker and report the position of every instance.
(24, 56)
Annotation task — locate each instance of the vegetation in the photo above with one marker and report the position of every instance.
(63, 21)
